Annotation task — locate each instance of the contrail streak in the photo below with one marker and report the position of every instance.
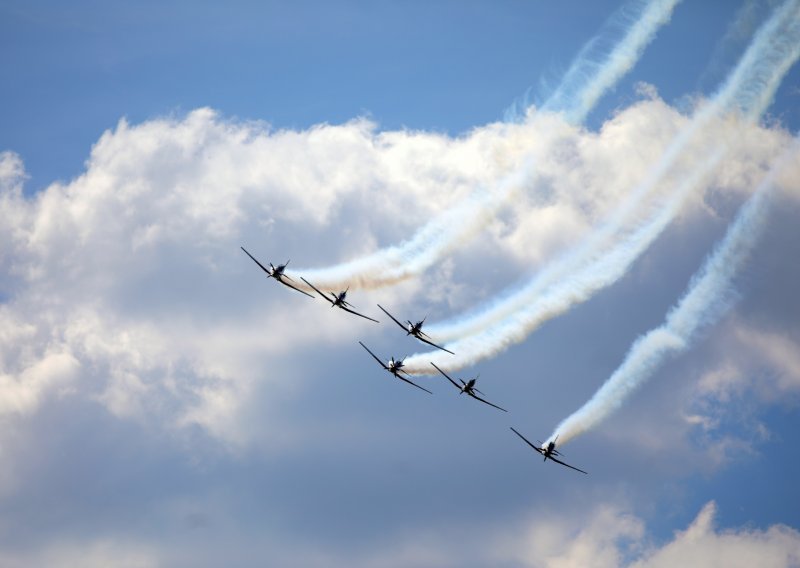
(557, 299)
(589, 79)
(703, 303)
(603, 60)
(577, 276)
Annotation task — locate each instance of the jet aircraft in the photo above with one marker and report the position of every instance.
(548, 451)
(338, 300)
(276, 272)
(395, 368)
(415, 329)
(468, 387)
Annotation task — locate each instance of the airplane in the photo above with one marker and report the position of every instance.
(276, 272)
(548, 451)
(338, 300)
(394, 367)
(468, 387)
(415, 329)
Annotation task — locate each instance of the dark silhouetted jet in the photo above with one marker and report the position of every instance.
(395, 368)
(548, 451)
(276, 272)
(415, 329)
(338, 300)
(468, 387)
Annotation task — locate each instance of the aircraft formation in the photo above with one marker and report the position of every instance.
(395, 366)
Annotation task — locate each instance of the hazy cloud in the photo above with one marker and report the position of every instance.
(614, 538)
(127, 286)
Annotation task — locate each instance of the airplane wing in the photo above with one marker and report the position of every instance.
(317, 290)
(412, 383)
(567, 465)
(487, 402)
(538, 449)
(446, 376)
(358, 314)
(284, 275)
(431, 343)
(294, 287)
(393, 318)
(269, 274)
(381, 363)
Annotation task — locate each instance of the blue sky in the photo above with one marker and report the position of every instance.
(163, 405)
(73, 71)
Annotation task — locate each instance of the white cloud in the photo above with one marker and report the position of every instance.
(126, 284)
(701, 544)
(747, 365)
(100, 553)
(758, 360)
(604, 536)
(560, 544)
(12, 171)
(614, 538)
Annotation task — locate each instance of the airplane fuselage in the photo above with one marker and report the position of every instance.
(276, 272)
(548, 451)
(414, 329)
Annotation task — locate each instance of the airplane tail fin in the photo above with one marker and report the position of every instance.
(478, 376)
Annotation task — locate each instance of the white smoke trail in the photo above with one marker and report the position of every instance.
(587, 79)
(602, 61)
(745, 21)
(702, 304)
(511, 318)
(555, 300)
(591, 79)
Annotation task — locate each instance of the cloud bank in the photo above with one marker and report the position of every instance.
(126, 285)
(608, 252)
(613, 538)
(608, 536)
